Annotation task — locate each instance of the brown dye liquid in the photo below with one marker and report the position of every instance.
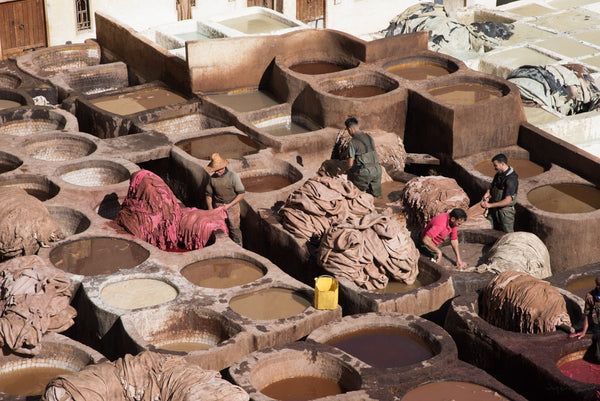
(453, 390)
(418, 71)
(302, 388)
(229, 146)
(255, 24)
(29, 381)
(97, 256)
(316, 68)
(524, 168)
(222, 273)
(7, 104)
(472, 254)
(582, 285)
(134, 102)
(265, 183)
(359, 91)
(390, 192)
(272, 303)
(246, 101)
(384, 347)
(284, 129)
(396, 287)
(565, 198)
(185, 346)
(466, 93)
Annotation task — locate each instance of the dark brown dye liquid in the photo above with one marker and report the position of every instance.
(390, 192)
(466, 94)
(359, 91)
(265, 183)
(302, 388)
(565, 198)
(453, 390)
(222, 273)
(229, 146)
(524, 168)
(29, 381)
(384, 347)
(395, 287)
(272, 303)
(473, 254)
(582, 285)
(6, 167)
(418, 71)
(97, 256)
(316, 68)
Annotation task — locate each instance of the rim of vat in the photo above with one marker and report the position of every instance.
(277, 167)
(62, 119)
(354, 79)
(45, 62)
(437, 339)
(573, 215)
(16, 95)
(11, 160)
(32, 181)
(477, 79)
(236, 255)
(14, 79)
(67, 215)
(32, 143)
(344, 60)
(304, 293)
(256, 144)
(450, 64)
(470, 381)
(121, 170)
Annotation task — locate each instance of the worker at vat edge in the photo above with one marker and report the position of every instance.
(437, 231)
(591, 313)
(500, 198)
(363, 167)
(225, 188)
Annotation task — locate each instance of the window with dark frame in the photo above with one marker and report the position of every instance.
(82, 13)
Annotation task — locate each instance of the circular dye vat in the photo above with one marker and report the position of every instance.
(316, 68)
(28, 380)
(59, 147)
(472, 253)
(359, 91)
(9, 81)
(96, 176)
(565, 198)
(28, 127)
(7, 104)
(418, 70)
(525, 168)
(268, 304)
(466, 94)
(36, 186)
(384, 347)
(302, 388)
(266, 183)
(396, 287)
(134, 102)
(391, 191)
(577, 368)
(93, 256)
(582, 285)
(8, 165)
(453, 390)
(229, 146)
(222, 272)
(137, 293)
(185, 346)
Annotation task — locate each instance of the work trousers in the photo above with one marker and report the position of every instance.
(233, 223)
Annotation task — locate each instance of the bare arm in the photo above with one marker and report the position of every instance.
(581, 334)
(350, 164)
(459, 262)
(235, 200)
(429, 242)
(209, 202)
(504, 202)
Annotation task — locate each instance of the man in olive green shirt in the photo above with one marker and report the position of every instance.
(225, 188)
(363, 162)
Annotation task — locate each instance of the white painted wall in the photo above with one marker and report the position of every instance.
(360, 17)
(206, 8)
(138, 14)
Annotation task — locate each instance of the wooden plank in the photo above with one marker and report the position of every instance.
(309, 10)
(24, 26)
(261, 3)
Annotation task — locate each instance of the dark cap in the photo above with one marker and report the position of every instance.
(350, 121)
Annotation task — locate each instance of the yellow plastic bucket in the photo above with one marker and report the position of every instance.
(326, 292)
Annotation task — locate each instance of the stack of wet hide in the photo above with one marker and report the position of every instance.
(426, 197)
(35, 299)
(568, 89)
(355, 243)
(521, 303)
(26, 224)
(152, 213)
(148, 376)
(446, 34)
(518, 251)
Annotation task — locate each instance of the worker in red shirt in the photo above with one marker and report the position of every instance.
(438, 230)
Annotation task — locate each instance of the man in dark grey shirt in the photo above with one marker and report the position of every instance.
(225, 188)
(501, 197)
